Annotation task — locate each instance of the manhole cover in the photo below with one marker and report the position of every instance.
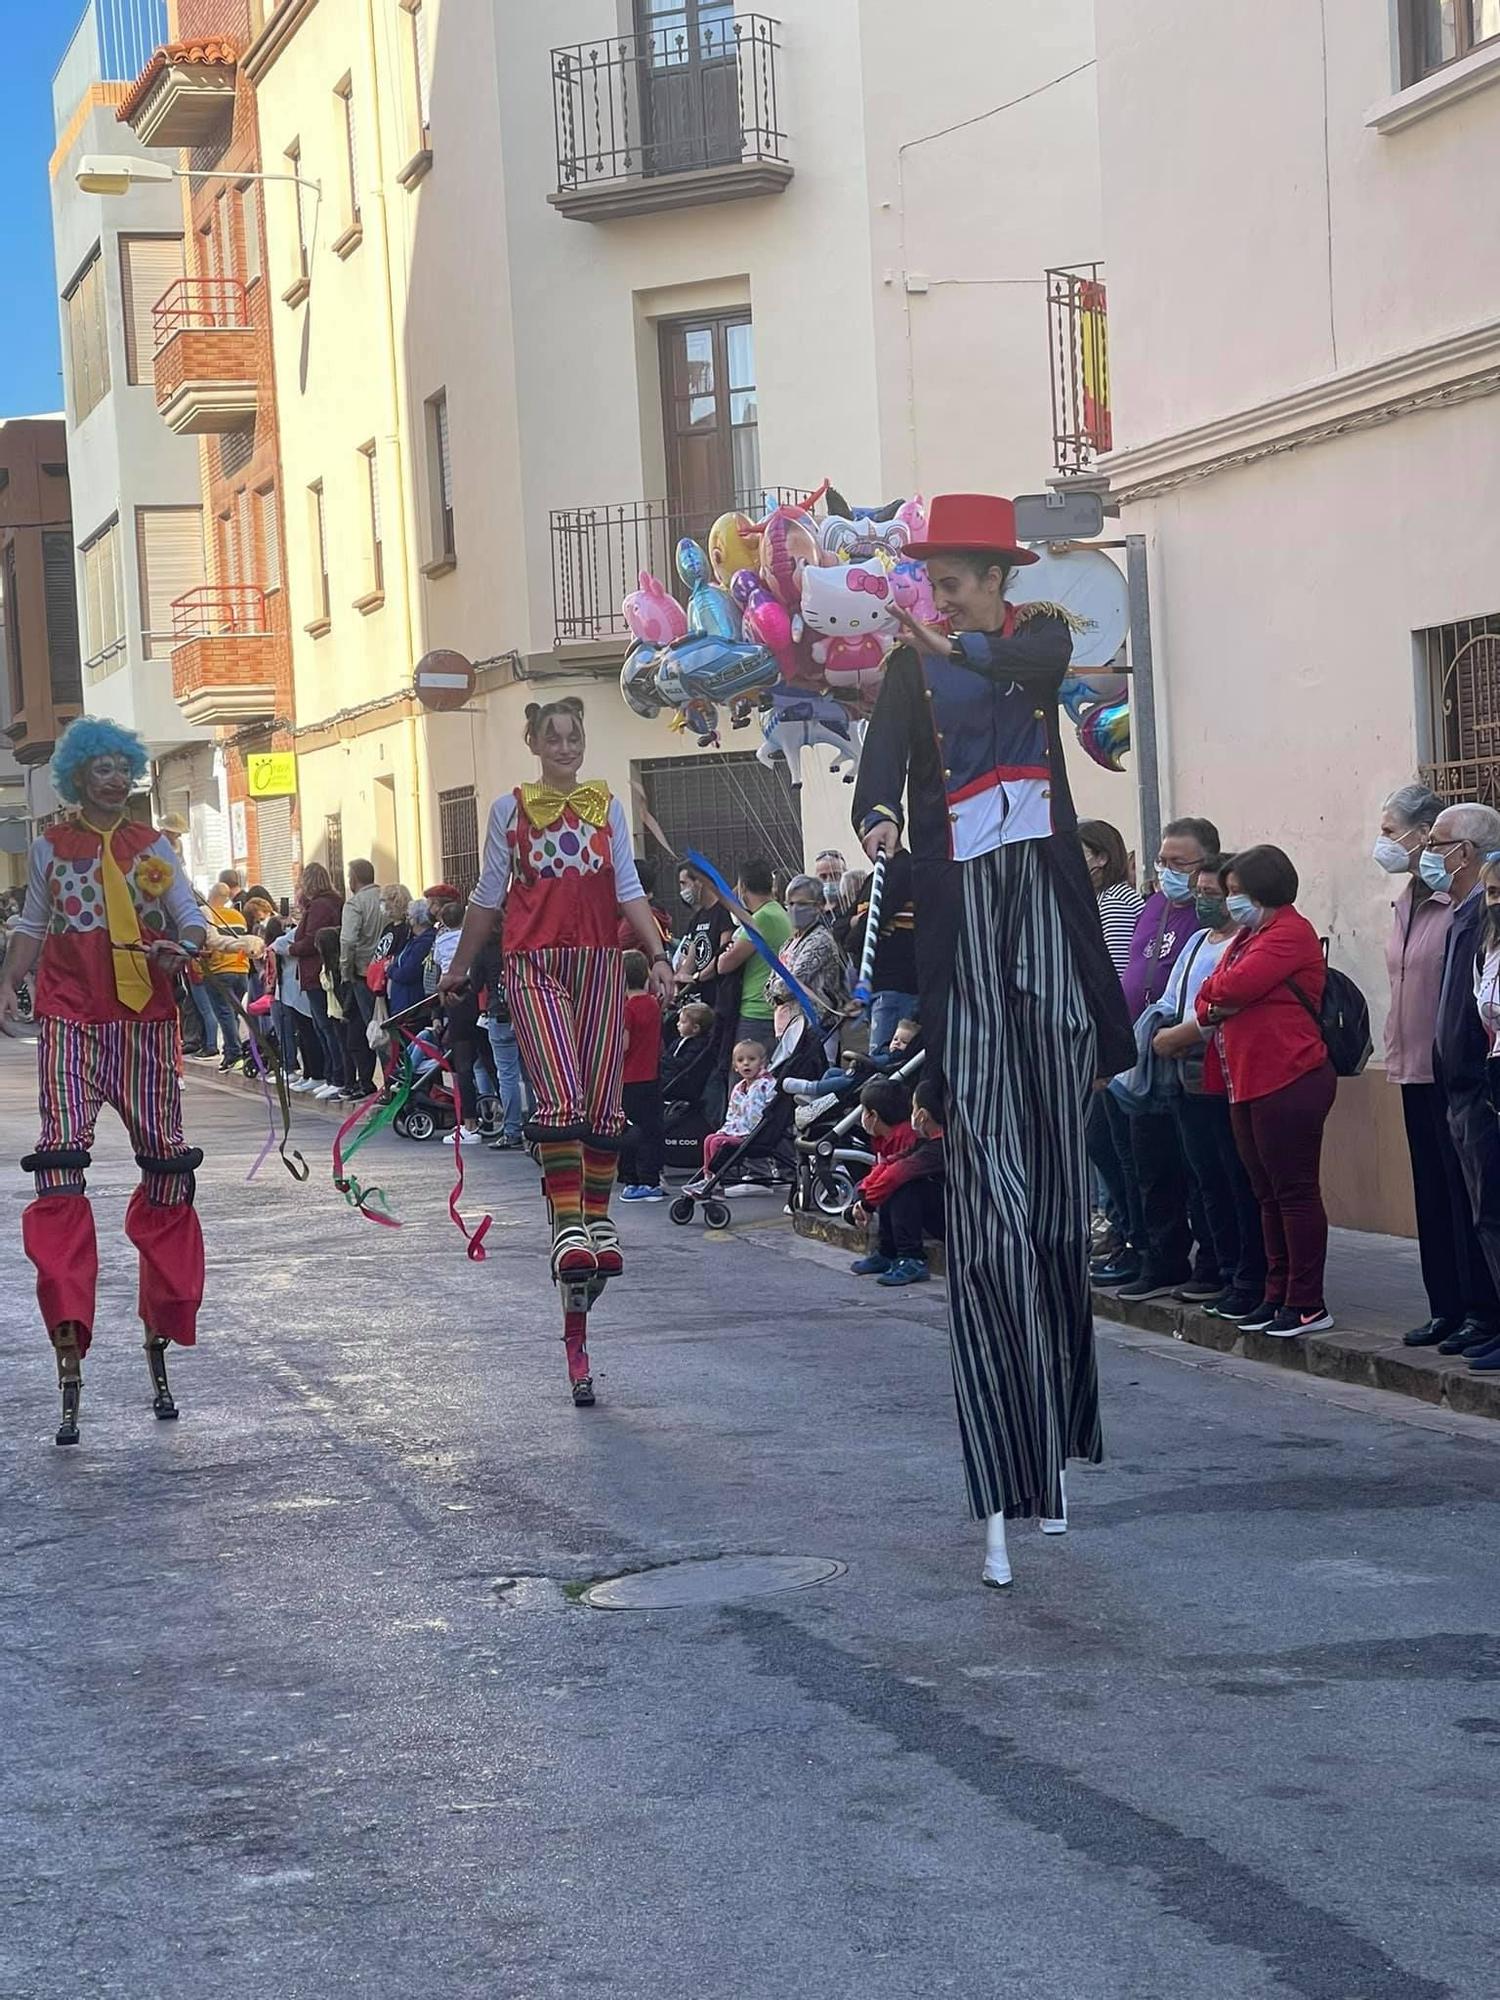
(720, 1580)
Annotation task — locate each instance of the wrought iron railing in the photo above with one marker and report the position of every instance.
(598, 554)
(200, 304)
(1471, 781)
(669, 101)
(219, 610)
(1078, 343)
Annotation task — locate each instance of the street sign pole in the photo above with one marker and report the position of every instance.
(1143, 704)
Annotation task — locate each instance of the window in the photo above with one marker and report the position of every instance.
(440, 481)
(421, 72)
(244, 514)
(1462, 671)
(169, 550)
(345, 94)
(458, 829)
(711, 415)
(1435, 32)
(103, 597)
(60, 586)
(294, 167)
(318, 526)
(250, 231)
(148, 265)
(725, 803)
(270, 536)
(88, 340)
(377, 551)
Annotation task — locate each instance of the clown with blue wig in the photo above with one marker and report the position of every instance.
(109, 919)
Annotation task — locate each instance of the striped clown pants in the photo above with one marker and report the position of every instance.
(131, 1065)
(567, 1004)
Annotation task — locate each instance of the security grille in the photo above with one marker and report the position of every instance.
(333, 844)
(273, 837)
(458, 827)
(1462, 663)
(729, 807)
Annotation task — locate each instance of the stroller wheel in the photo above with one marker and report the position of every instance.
(717, 1214)
(833, 1190)
(419, 1124)
(683, 1208)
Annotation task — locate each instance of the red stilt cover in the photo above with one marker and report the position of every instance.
(58, 1232)
(170, 1242)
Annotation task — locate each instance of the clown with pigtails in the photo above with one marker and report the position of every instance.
(109, 918)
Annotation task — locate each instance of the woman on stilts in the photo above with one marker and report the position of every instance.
(557, 859)
(109, 918)
(1020, 1004)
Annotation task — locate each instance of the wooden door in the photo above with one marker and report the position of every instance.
(710, 414)
(689, 84)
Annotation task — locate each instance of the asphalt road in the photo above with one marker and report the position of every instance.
(298, 1698)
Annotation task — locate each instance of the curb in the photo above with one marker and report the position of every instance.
(1370, 1359)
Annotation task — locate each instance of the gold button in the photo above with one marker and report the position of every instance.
(953, 819)
(947, 774)
(1039, 714)
(929, 694)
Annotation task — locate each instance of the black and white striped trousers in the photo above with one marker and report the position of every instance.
(1019, 1053)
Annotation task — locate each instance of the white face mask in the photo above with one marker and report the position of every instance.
(1390, 855)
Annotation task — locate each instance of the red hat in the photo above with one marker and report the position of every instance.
(971, 521)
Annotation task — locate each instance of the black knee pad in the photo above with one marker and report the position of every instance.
(183, 1164)
(57, 1159)
(604, 1142)
(537, 1134)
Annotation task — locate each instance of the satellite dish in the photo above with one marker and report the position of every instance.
(443, 680)
(1085, 583)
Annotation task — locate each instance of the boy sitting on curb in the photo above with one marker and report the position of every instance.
(903, 1192)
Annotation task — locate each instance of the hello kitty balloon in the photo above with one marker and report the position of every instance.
(847, 608)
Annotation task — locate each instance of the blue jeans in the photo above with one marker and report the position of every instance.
(507, 1077)
(887, 1012)
(223, 988)
(208, 1017)
(330, 1035)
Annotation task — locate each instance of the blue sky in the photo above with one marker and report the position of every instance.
(30, 377)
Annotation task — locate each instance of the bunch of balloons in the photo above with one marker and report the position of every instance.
(789, 619)
(1097, 706)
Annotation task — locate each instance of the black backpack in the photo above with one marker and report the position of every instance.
(1343, 1020)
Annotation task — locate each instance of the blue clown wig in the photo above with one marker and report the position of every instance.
(85, 739)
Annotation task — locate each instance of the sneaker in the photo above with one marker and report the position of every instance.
(1146, 1287)
(325, 1091)
(906, 1271)
(873, 1266)
(634, 1193)
(1467, 1337)
(461, 1135)
(500, 1144)
(1123, 1273)
(1232, 1305)
(1289, 1322)
(1198, 1291)
(203, 1055)
(304, 1084)
(1260, 1318)
(652, 1194)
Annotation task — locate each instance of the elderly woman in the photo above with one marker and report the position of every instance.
(1461, 1296)
(813, 958)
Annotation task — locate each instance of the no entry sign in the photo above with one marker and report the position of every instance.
(443, 680)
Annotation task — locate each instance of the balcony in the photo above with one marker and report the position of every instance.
(222, 656)
(668, 119)
(1078, 341)
(207, 361)
(185, 94)
(598, 554)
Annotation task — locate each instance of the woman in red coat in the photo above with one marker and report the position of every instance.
(1264, 998)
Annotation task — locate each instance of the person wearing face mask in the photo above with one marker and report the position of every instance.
(1462, 1305)
(813, 958)
(1452, 858)
(1161, 1260)
(1120, 905)
(1201, 1107)
(1264, 998)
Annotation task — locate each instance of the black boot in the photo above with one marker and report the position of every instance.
(156, 1360)
(69, 1380)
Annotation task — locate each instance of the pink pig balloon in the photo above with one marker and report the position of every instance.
(767, 620)
(653, 614)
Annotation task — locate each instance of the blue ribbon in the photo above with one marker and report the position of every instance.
(793, 986)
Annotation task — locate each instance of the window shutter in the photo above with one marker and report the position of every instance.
(270, 538)
(445, 463)
(101, 592)
(249, 571)
(169, 543)
(149, 264)
(250, 230)
(60, 588)
(352, 126)
(424, 77)
(375, 494)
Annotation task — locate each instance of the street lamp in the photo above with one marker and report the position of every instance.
(118, 173)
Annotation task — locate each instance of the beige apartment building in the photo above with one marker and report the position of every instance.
(579, 276)
(1305, 336)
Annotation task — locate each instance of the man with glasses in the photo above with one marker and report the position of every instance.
(1462, 839)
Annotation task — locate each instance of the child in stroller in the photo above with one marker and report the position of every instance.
(686, 1071)
(433, 1104)
(765, 1116)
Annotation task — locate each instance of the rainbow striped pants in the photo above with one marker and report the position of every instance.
(132, 1066)
(567, 1004)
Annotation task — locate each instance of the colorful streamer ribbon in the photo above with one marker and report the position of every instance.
(793, 986)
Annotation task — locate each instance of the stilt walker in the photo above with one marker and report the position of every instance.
(1020, 1005)
(558, 860)
(109, 917)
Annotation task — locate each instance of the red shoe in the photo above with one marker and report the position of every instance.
(606, 1241)
(573, 1255)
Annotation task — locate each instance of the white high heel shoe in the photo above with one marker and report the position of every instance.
(1059, 1524)
(996, 1571)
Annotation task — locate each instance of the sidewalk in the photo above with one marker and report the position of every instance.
(1375, 1291)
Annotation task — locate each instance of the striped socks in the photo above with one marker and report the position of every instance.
(599, 1166)
(562, 1177)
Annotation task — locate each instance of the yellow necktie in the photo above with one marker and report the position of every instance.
(544, 806)
(132, 971)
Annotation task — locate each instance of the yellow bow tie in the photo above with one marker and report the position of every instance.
(132, 972)
(544, 806)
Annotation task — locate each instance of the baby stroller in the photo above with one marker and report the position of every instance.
(799, 1053)
(833, 1153)
(432, 1106)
